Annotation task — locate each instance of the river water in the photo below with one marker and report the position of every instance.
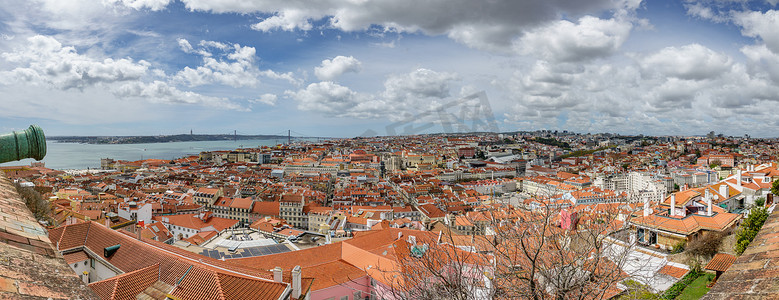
(63, 156)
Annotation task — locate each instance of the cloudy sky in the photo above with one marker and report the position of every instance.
(351, 67)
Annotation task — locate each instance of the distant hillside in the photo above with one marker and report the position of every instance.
(160, 138)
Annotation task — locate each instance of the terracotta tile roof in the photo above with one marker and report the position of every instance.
(754, 274)
(193, 222)
(127, 285)
(266, 208)
(672, 271)
(75, 257)
(682, 198)
(718, 221)
(195, 276)
(29, 267)
(720, 262)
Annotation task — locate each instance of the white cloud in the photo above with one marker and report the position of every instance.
(564, 41)
(141, 4)
(704, 12)
(46, 61)
(327, 97)
(417, 85)
(331, 69)
(161, 92)
(693, 61)
(285, 20)
(763, 25)
(762, 61)
(269, 99)
(232, 65)
(403, 94)
(185, 45)
(472, 23)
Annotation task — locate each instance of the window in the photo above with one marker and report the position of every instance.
(345, 297)
(91, 263)
(357, 295)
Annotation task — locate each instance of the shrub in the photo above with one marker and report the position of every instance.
(706, 245)
(39, 207)
(676, 289)
(749, 228)
(679, 247)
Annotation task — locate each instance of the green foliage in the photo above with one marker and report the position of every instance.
(775, 187)
(679, 247)
(552, 142)
(715, 163)
(578, 153)
(749, 228)
(676, 187)
(697, 288)
(678, 287)
(760, 202)
(637, 290)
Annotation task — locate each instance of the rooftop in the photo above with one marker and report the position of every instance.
(753, 274)
(25, 250)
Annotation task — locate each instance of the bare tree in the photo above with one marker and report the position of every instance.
(549, 252)
(39, 207)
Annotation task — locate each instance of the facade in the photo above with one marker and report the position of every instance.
(291, 210)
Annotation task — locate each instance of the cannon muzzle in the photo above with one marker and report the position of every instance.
(18, 145)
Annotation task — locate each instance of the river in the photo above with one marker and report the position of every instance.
(63, 156)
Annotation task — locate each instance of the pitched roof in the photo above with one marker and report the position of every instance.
(31, 270)
(720, 262)
(195, 276)
(127, 285)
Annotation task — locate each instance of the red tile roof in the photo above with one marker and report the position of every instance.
(127, 285)
(672, 271)
(195, 276)
(720, 262)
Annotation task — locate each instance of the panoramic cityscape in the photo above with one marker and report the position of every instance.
(341, 149)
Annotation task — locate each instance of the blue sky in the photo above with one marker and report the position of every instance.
(345, 68)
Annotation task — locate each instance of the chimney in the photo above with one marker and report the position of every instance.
(738, 177)
(296, 286)
(646, 207)
(673, 205)
(107, 222)
(708, 202)
(723, 190)
(277, 274)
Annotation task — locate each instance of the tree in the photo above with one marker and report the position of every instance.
(775, 187)
(705, 246)
(749, 228)
(715, 163)
(529, 253)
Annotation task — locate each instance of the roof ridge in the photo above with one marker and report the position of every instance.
(219, 285)
(86, 236)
